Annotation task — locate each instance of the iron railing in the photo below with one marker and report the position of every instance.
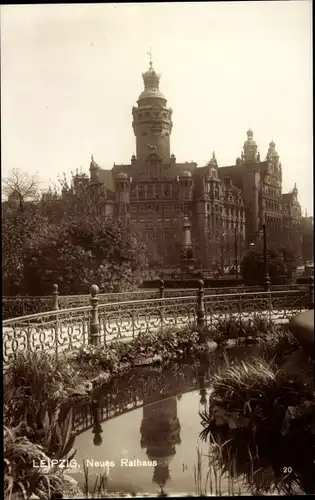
(25, 305)
(102, 323)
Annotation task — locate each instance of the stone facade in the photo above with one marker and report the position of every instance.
(308, 239)
(226, 206)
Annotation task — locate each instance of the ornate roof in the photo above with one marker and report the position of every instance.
(151, 80)
(122, 175)
(185, 174)
(250, 141)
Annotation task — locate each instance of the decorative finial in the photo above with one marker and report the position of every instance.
(150, 55)
(213, 155)
(92, 158)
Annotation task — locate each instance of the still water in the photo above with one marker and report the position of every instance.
(146, 429)
(164, 433)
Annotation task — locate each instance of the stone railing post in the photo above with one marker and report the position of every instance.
(311, 293)
(267, 283)
(55, 294)
(200, 305)
(161, 288)
(94, 338)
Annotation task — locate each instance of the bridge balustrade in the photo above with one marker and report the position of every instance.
(101, 323)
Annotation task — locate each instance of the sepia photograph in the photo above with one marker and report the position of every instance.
(157, 249)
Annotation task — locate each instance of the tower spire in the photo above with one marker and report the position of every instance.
(150, 56)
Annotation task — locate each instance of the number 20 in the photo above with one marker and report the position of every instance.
(287, 470)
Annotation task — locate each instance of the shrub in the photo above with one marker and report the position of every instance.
(256, 394)
(102, 357)
(257, 327)
(262, 417)
(35, 378)
(262, 464)
(163, 346)
(21, 477)
(41, 437)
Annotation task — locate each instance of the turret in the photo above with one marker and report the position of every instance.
(250, 147)
(272, 156)
(185, 186)
(152, 120)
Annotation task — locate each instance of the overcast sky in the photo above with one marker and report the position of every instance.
(70, 75)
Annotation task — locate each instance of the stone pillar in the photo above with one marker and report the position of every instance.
(161, 289)
(55, 297)
(94, 337)
(200, 306)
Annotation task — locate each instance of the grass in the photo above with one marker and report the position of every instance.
(262, 418)
(33, 379)
(210, 480)
(100, 487)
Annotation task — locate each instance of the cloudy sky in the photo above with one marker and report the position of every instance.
(70, 75)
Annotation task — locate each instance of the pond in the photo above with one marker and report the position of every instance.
(144, 430)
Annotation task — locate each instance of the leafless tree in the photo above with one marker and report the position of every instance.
(22, 186)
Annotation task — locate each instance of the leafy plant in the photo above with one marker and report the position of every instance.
(37, 381)
(44, 438)
(254, 395)
(22, 475)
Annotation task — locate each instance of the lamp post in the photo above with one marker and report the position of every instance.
(222, 254)
(235, 252)
(266, 276)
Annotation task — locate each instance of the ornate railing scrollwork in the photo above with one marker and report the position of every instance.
(65, 329)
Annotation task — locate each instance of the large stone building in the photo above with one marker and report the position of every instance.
(226, 206)
(308, 239)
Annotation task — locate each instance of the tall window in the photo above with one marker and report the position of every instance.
(167, 190)
(141, 191)
(158, 191)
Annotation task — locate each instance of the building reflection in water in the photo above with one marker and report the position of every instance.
(160, 433)
(97, 428)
